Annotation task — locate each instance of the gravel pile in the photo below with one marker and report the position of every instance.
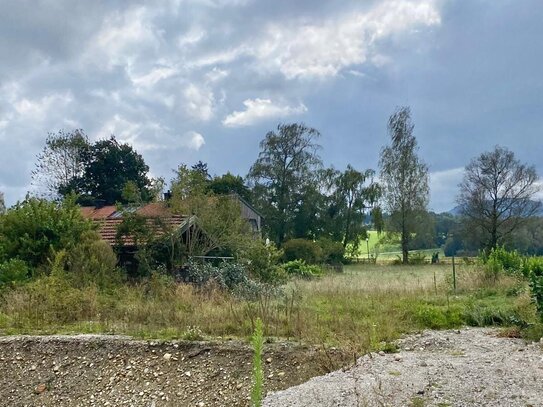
(471, 367)
(91, 370)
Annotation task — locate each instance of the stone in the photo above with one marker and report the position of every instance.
(40, 388)
(167, 356)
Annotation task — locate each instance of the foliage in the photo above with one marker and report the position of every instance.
(533, 268)
(13, 272)
(496, 196)
(34, 229)
(108, 167)
(218, 217)
(302, 249)
(262, 260)
(417, 258)
(229, 184)
(331, 252)
(92, 262)
(60, 162)
(299, 268)
(351, 193)
(233, 277)
(285, 165)
(404, 179)
(257, 341)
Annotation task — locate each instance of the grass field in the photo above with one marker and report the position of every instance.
(375, 247)
(360, 309)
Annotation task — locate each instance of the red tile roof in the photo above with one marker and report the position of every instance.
(159, 219)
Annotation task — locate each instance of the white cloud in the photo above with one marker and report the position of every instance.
(260, 109)
(152, 77)
(193, 140)
(199, 102)
(311, 50)
(38, 109)
(122, 37)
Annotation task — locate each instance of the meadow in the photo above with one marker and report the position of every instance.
(365, 307)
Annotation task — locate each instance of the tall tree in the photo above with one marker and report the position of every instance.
(60, 161)
(108, 167)
(286, 163)
(405, 180)
(229, 184)
(497, 195)
(2, 203)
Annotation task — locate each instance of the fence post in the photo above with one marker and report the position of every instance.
(454, 275)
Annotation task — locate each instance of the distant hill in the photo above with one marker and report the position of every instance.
(457, 210)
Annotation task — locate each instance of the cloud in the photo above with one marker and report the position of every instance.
(257, 110)
(194, 140)
(199, 102)
(301, 50)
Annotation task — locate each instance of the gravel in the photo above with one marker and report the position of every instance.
(471, 367)
(104, 370)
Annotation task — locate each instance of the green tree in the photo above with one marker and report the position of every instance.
(497, 196)
(286, 163)
(60, 162)
(404, 179)
(108, 167)
(218, 222)
(33, 230)
(354, 193)
(2, 203)
(229, 184)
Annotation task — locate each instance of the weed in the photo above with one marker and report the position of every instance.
(258, 375)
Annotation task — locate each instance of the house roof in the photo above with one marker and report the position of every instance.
(159, 219)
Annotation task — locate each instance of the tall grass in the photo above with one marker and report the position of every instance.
(363, 308)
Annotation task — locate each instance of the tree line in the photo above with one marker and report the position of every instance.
(299, 198)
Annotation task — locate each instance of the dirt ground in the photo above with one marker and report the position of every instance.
(90, 370)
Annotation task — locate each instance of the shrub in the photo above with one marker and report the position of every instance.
(262, 261)
(500, 258)
(35, 228)
(301, 269)
(13, 271)
(302, 249)
(533, 268)
(331, 252)
(92, 261)
(233, 277)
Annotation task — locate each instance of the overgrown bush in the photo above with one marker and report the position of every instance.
(500, 258)
(12, 272)
(417, 258)
(300, 268)
(302, 249)
(331, 252)
(229, 276)
(262, 261)
(34, 229)
(92, 261)
(533, 268)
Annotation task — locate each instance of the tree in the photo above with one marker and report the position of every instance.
(108, 167)
(60, 162)
(229, 184)
(405, 180)
(353, 193)
(35, 229)
(286, 163)
(2, 203)
(497, 195)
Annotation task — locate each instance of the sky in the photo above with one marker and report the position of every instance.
(190, 80)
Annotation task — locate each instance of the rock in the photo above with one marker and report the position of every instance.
(269, 360)
(40, 388)
(187, 373)
(381, 353)
(398, 358)
(239, 386)
(167, 356)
